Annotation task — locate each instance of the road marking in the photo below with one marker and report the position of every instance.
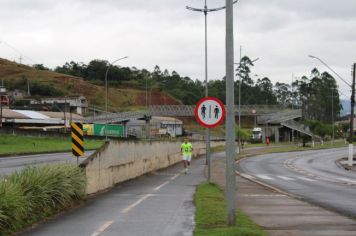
(264, 177)
(247, 176)
(263, 195)
(285, 178)
(306, 179)
(347, 180)
(129, 208)
(174, 177)
(158, 187)
(102, 228)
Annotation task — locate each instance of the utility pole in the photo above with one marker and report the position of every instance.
(205, 10)
(1, 109)
(351, 147)
(240, 81)
(28, 88)
(64, 113)
(230, 118)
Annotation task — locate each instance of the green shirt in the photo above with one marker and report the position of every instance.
(187, 149)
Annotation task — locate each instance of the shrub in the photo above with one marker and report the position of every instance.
(35, 193)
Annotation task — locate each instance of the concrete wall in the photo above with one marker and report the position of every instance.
(118, 161)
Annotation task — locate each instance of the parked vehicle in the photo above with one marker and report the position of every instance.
(256, 135)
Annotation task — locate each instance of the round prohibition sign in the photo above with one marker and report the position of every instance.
(209, 112)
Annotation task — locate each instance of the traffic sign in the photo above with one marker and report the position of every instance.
(77, 139)
(209, 112)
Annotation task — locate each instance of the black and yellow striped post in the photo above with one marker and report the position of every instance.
(77, 139)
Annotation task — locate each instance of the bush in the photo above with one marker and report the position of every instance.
(35, 193)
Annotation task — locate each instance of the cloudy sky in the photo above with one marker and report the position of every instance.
(162, 32)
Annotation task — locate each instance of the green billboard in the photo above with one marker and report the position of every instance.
(112, 130)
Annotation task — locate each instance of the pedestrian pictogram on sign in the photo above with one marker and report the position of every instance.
(77, 139)
(209, 112)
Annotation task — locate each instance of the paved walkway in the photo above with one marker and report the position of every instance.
(159, 204)
(281, 215)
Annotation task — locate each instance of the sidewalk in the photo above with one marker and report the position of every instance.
(344, 163)
(279, 214)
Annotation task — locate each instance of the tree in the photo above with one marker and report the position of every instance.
(40, 67)
(283, 94)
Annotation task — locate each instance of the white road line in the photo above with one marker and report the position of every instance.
(174, 177)
(306, 179)
(347, 180)
(264, 177)
(102, 228)
(158, 187)
(247, 176)
(129, 208)
(285, 178)
(263, 195)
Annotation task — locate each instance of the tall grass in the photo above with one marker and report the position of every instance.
(35, 193)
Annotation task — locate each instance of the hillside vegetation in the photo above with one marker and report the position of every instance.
(49, 83)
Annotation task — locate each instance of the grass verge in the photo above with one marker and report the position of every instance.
(16, 145)
(35, 193)
(211, 215)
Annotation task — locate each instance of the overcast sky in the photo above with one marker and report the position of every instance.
(162, 32)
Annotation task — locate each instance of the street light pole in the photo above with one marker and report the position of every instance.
(106, 94)
(239, 102)
(205, 10)
(350, 156)
(230, 118)
(351, 147)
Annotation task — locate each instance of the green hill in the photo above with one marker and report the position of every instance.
(45, 83)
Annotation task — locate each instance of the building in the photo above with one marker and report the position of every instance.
(4, 98)
(21, 118)
(78, 105)
(158, 126)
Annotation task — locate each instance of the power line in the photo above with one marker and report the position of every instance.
(17, 51)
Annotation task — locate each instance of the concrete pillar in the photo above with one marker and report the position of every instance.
(264, 134)
(147, 128)
(276, 135)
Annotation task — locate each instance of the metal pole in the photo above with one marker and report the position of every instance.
(240, 81)
(0, 110)
(332, 114)
(351, 147)
(106, 102)
(146, 95)
(65, 117)
(106, 95)
(207, 130)
(230, 119)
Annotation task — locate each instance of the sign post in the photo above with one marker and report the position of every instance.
(209, 112)
(77, 140)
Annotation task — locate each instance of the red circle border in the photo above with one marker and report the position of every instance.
(223, 113)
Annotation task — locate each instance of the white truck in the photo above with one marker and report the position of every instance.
(256, 135)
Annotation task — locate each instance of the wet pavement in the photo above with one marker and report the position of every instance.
(281, 215)
(160, 203)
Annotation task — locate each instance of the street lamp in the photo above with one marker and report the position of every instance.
(350, 157)
(205, 10)
(239, 105)
(106, 94)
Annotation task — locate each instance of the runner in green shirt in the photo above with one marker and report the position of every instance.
(187, 149)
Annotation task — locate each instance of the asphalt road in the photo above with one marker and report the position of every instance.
(9, 165)
(312, 175)
(159, 204)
